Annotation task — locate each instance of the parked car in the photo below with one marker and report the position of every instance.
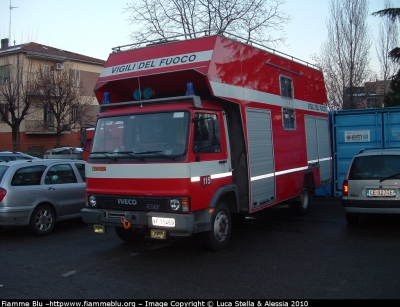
(39, 192)
(14, 155)
(372, 183)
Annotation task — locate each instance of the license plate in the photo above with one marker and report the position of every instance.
(99, 228)
(163, 221)
(158, 234)
(381, 192)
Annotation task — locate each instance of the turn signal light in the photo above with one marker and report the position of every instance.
(185, 204)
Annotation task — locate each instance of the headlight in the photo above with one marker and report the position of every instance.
(181, 204)
(92, 201)
(175, 204)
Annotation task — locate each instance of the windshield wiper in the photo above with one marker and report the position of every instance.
(388, 177)
(131, 153)
(104, 153)
(159, 152)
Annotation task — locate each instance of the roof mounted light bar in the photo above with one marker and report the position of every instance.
(196, 101)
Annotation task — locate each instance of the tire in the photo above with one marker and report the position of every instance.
(43, 220)
(130, 235)
(221, 227)
(352, 218)
(300, 207)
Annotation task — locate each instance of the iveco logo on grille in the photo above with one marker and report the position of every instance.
(127, 201)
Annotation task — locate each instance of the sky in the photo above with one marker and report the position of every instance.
(94, 27)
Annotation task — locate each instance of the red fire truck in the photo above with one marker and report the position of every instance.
(192, 133)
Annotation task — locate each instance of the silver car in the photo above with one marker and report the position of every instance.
(372, 183)
(38, 193)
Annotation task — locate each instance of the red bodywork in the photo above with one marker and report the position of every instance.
(222, 70)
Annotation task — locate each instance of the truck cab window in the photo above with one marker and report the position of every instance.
(206, 138)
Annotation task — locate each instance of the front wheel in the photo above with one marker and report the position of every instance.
(300, 207)
(43, 220)
(218, 236)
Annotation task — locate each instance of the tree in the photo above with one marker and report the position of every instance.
(61, 99)
(344, 57)
(393, 14)
(392, 98)
(16, 88)
(251, 19)
(388, 40)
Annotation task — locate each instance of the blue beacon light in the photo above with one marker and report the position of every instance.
(190, 89)
(106, 98)
(148, 93)
(137, 94)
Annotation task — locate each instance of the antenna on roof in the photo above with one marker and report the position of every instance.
(9, 28)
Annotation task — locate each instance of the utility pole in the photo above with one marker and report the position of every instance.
(9, 28)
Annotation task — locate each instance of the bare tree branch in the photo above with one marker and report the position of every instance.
(345, 56)
(60, 94)
(16, 94)
(261, 20)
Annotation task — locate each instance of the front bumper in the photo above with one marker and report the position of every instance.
(184, 223)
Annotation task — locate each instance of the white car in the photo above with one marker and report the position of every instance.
(38, 193)
(372, 184)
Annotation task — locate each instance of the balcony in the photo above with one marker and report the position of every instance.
(42, 127)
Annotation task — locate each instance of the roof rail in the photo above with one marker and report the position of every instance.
(193, 35)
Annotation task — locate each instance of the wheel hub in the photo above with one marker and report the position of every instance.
(221, 226)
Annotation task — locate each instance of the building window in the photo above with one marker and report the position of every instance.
(75, 113)
(286, 87)
(372, 103)
(289, 118)
(47, 71)
(4, 74)
(48, 116)
(75, 77)
(4, 110)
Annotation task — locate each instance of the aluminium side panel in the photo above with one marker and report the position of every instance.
(261, 157)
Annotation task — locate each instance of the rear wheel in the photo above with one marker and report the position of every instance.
(43, 220)
(301, 206)
(130, 235)
(352, 218)
(218, 236)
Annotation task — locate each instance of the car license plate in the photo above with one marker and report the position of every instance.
(381, 192)
(99, 228)
(163, 221)
(158, 234)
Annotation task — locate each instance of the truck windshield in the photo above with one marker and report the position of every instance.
(142, 135)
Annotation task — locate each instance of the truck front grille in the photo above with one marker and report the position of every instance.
(133, 203)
